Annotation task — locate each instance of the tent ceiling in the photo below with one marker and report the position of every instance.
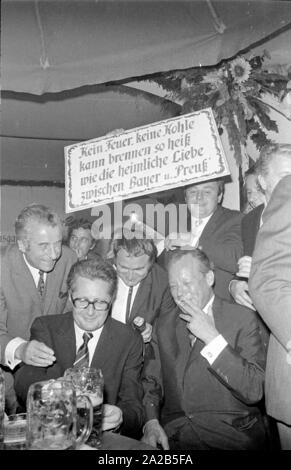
(36, 128)
(50, 46)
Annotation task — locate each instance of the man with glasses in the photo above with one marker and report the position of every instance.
(88, 336)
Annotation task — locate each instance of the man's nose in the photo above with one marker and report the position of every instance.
(198, 196)
(91, 310)
(54, 252)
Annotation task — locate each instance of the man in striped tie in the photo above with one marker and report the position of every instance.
(89, 336)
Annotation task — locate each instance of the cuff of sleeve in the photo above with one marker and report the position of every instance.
(151, 411)
(213, 349)
(11, 347)
(229, 285)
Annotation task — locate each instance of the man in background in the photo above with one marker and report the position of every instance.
(80, 239)
(270, 281)
(214, 229)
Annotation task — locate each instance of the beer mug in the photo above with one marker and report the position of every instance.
(89, 382)
(52, 416)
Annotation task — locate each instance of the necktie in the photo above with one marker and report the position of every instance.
(128, 305)
(82, 357)
(40, 285)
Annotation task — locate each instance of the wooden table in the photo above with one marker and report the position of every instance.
(112, 441)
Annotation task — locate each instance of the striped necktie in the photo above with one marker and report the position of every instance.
(127, 314)
(82, 357)
(41, 284)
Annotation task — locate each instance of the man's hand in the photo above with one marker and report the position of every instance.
(239, 291)
(198, 323)
(175, 240)
(244, 266)
(154, 434)
(147, 333)
(35, 353)
(112, 417)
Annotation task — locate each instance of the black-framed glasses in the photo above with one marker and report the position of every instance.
(100, 305)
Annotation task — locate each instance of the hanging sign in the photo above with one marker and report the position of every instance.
(148, 159)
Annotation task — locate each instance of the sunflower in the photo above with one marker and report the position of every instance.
(240, 69)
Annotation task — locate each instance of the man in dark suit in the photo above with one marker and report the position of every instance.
(214, 229)
(143, 288)
(270, 285)
(250, 225)
(113, 347)
(33, 283)
(208, 372)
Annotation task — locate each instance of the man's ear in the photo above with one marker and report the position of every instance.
(210, 278)
(22, 245)
(262, 182)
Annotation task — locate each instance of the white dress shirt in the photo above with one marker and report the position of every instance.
(11, 347)
(92, 343)
(197, 227)
(119, 306)
(212, 350)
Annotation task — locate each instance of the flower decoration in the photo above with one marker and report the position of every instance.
(234, 90)
(240, 69)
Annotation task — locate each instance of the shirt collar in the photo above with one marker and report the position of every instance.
(79, 332)
(208, 305)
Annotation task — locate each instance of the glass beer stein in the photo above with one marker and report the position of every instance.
(52, 416)
(89, 382)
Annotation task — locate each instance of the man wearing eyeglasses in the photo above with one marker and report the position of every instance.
(88, 336)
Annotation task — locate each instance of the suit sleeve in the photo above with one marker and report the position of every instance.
(152, 380)
(130, 393)
(227, 249)
(241, 368)
(26, 374)
(4, 336)
(270, 278)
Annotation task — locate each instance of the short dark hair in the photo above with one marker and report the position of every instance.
(93, 269)
(220, 183)
(135, 245)
(74, 224)
(35, 213)
(267, 154)
(196, 254)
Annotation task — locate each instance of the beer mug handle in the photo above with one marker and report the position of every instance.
(87, 429)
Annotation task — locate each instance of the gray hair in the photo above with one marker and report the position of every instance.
(35, 213)
(267, 154)
(93, 269)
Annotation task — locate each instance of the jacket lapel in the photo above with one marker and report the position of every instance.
(23, 277)
(104, 347)
(142, 297)
(184, 350)
(67, 341)
(211, 225)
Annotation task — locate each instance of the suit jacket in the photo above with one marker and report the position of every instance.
(221, 241)
(219, 399)
(249, 228)
(20, 302)
(153, 296)
(118, 354)
(270, 288)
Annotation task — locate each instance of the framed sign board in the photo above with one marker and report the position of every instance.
(148, 159)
